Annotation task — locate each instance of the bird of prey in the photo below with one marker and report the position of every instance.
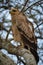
(23, 31)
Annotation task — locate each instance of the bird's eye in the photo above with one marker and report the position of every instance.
(14, 10)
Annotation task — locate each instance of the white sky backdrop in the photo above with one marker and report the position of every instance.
(7, 17)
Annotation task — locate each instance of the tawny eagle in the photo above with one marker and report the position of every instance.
(23, 31)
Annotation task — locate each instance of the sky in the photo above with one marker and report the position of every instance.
(7, 18)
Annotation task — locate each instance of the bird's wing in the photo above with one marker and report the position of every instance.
(25, 28)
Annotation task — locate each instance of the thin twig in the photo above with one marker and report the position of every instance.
(24, 5)
(33, 4)
(39, 37)
(38, 25)
(19, 58)
(8, 33)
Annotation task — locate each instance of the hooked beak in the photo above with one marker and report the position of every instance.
(10, 10)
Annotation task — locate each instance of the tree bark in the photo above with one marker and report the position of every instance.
(26, 54)
(5, 60)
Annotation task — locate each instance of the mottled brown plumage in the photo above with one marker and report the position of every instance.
(21, 26)
(23, 31)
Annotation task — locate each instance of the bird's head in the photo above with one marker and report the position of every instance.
(14, 11)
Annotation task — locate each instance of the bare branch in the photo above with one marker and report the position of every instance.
(19, 58)
(24, 5)
(38, 2)
(5, 60)
(39, 25)
(4, 4)
(19, 51)
(8, 33)
(39, 37)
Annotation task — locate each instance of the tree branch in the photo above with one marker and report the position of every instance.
(39, 37)
(33, 4)
(24, 5)
(20, 52)
(8, 33)
(5, 60)
(39, 25)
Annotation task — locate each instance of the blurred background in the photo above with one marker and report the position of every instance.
(34, 12)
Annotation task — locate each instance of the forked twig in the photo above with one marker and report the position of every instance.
(24, 5)
(33, 4)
